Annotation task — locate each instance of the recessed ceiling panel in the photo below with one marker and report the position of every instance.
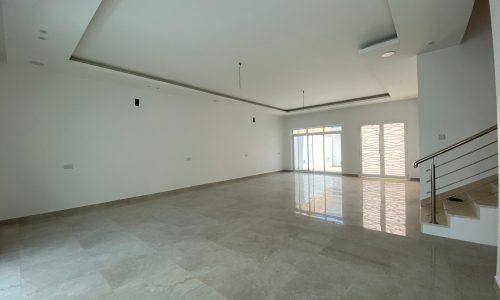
(286, 46)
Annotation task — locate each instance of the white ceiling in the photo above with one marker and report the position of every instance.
(286, 46)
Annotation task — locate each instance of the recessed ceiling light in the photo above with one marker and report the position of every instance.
(42, 38)
(44, 31)
(36, 63)
(388, 54)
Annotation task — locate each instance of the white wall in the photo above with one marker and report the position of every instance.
(351, 120)
(495, 24)
(119, 150)
(457, 97)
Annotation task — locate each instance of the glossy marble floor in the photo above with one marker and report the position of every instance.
(279, 236)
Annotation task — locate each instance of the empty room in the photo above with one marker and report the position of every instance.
(237, 149)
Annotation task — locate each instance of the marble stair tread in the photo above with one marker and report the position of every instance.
(485, 195)
(476, 195)
(490, 200)
(484, 188)
(425, 213)
(494, 186)
(463, 209)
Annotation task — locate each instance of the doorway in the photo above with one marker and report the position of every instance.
(318, 149)
(383, 150)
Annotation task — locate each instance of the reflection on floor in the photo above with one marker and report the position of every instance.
(384, 206)
(383, 201)
(319, 196)
(245, 240)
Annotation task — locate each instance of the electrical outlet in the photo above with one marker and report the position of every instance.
(441, 136)
(68, 167)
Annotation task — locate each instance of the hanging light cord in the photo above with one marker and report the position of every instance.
(303, 100)
(239, 74)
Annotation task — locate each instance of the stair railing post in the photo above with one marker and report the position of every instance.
(433, 192)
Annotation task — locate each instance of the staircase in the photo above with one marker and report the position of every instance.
(462, 199)
(466, 220)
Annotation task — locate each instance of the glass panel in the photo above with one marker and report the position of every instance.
(370, 150)
(300, 152)
(310, 151)
(299, 131)
(295, 152)
(315, 130)
(333, 128)
(317, 151)
(333, 153)
(394, 150)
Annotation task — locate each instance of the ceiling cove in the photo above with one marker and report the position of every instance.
(215, 93)
(256, 53)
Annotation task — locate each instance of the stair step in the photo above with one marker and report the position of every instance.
(463, 209)
(425, 212)
(490, 200)
(477, 195)
(494, 186)
(484, 188)
(480, 193)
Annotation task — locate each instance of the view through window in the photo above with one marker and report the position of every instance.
(318, 149)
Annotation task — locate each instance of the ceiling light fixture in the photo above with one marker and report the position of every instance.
(388, 54)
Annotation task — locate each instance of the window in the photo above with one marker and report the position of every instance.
(383, 150)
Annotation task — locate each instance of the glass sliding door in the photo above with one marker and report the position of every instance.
(333, 153)
(300, 151)
(318, 163)
(317, 149)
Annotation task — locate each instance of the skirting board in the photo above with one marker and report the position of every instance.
(496, 285)
(126, 201)
(327, 173)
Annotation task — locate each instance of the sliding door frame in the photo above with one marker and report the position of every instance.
(307, 135)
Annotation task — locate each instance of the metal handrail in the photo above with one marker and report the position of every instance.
(464, 167)
(465, 154)
(456, 145)
(468, 177)
(433, 166)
